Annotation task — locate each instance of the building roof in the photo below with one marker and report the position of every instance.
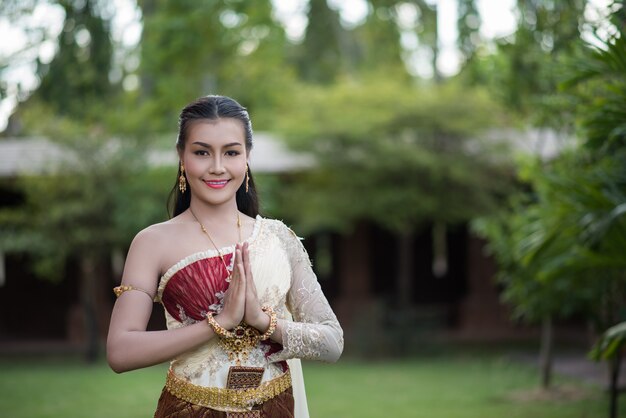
(37, 155)
(27, 155)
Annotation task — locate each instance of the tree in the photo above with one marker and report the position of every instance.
(67, 216)
(75, 82)
(546, 32)
(325, 52)
(83, 210)
(560, 246)
(468, 26)
(399, 156)
(379, 40)
(610, 348)
(550, 267)
(190, 49)
(79, 72)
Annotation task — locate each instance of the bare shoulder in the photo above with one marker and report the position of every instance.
(148, 252)
(154, 242)
(152, 236)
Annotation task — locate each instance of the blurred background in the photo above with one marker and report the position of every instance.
(457, 168)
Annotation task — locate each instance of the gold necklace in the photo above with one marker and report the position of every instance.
(212, 242)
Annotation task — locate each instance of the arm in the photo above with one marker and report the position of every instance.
(314, 333)
(129, 345)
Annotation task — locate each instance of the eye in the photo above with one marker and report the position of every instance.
(201, 152)
(232, 153)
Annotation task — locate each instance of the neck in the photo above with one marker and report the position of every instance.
(211, 214)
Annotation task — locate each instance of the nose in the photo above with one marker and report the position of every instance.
(216, 166)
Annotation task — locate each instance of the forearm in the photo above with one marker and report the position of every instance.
(277, 336)
(130, 350)
(262, 324)
(310, 341)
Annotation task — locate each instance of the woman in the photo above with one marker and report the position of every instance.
(242, 304)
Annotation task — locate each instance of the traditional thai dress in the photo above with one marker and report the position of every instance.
(266, 379)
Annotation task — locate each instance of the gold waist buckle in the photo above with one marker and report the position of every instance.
(227, 399)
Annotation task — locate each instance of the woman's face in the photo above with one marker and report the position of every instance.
(215, 159)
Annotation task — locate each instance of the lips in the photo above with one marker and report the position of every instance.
(216, 184)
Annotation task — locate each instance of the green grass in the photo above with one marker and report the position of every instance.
(450, 387)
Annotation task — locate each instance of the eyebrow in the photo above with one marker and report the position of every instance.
(205, 145)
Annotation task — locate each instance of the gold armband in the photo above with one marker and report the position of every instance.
(126, 287)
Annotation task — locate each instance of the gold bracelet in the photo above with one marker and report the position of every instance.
(217, 328)
(273, 321)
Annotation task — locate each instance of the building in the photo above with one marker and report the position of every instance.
(453, 291)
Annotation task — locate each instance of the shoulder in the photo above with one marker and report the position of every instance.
(155, 231)
(154, 237)
(291, 242)
(279, 228)
(146, 254)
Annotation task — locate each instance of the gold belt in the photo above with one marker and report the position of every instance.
(227, 399)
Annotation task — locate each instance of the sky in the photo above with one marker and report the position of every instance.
(497, 16)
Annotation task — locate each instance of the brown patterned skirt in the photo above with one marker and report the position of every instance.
(169, 406)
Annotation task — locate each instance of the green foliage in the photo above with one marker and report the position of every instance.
(601, 75)
(392, 153)
(191, 49)
(94, 200)
(79, 72)
(379, 40)
(320, 56)
(75, 82)
(560, 245)
(610, 344)
(525, 71)
(468, 26)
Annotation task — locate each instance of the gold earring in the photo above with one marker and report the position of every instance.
(247, 177)
(182, 181)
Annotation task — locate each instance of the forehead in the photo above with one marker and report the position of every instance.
(216, 132)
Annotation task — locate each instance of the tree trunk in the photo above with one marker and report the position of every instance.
(88, 275)
(614, 365)
(439, 265)
(148, 83)
(436, 73)
(545, 355)
(405, 270)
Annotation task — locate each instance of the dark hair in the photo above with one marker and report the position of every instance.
(213, 108)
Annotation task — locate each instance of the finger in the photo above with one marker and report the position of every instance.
(238, 254)
(246, 262)
(235, 257)
(234, 274)
(240, 266)
(251, 288)
(243, 279)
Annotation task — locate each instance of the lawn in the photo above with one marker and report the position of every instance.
(450, 387)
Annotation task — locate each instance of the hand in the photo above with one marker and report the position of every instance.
(235, 296)
(254, 316)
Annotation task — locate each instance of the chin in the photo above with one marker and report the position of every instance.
(216, 200)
